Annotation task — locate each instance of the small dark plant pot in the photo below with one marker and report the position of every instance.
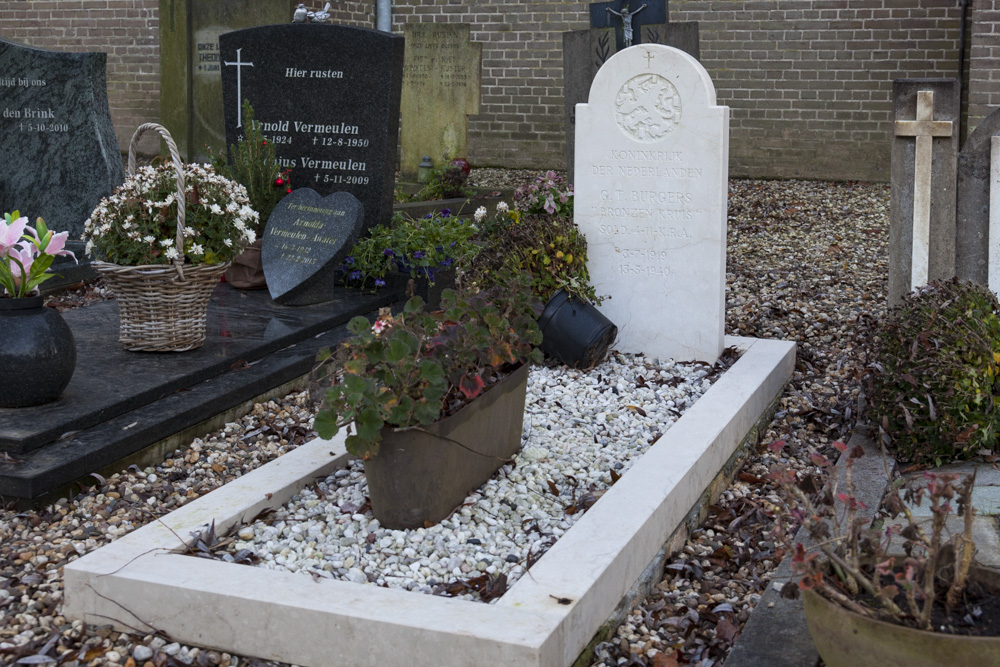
(574, 331)
(421, 474)
(37, 353)
(845, 638)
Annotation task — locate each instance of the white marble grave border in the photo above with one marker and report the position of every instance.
(141, 582)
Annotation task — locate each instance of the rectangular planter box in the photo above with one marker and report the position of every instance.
(421, 474)
(140, 582)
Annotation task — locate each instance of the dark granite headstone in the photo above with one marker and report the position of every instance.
(584, 51)
(923, 179)
(972, 223)
(305, 242)
(58, 151)
(642, 12)
(683, 36)
(328, 97)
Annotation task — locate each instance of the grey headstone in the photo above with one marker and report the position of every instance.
(941, 194)
(58, 151)
(328, 97)
(973, 219)
(584, 51)
(683, 36)
(305, 242)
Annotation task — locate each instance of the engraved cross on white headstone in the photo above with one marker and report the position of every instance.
(239, 85)
(924, 128)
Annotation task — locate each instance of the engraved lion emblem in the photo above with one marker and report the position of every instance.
(647, 108)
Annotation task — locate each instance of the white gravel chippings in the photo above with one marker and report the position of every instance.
(581, 430)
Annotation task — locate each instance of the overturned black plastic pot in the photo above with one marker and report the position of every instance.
(574, 331)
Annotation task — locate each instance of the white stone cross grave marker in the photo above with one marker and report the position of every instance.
(924, 128)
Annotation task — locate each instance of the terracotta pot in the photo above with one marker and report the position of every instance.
(247, 271)
(37, 353)
(421, 474)
(848, 639)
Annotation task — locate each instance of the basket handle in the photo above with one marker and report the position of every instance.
(175, 157)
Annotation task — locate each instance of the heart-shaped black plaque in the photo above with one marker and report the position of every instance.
(305, 242)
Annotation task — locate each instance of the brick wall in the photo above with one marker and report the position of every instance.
(984, 75)
(127, 30)
(808, 81)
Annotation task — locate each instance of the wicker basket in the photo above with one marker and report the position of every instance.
(163, 307)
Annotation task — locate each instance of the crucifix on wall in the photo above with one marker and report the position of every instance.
(627, 20)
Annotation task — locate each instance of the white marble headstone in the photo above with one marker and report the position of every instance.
(652, 151)
(993, 266)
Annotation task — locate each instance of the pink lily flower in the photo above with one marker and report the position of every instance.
(26, 256)
(57, 244)
(11, 234)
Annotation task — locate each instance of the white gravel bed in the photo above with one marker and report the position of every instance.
(582, 430)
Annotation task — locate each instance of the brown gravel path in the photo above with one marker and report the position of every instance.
(807, 262)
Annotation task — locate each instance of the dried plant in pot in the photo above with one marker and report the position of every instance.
(541, 240)
(896, 590)
(434, 400)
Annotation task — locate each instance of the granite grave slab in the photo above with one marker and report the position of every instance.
(119, 402)
(651, 190)
(58, 151)
(923, 183)
(328, 97)
(190, 69)
(305, 242)
(974, 210)
(442, 72)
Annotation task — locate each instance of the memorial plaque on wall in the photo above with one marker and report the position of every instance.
(190, 81)
(328, 98)
(58, 151)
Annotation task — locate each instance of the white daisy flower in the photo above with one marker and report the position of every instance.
(171, 253)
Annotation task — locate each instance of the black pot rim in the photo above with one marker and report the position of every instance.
(21, 303)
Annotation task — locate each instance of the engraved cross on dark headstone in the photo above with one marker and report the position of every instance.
(655, 12)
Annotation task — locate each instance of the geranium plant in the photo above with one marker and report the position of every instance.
(26, 253)
(136, 225)
(892, 571)
(418, 247)
(418, 367)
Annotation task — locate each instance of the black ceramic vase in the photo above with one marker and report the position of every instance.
(37, 353)
(574, 331)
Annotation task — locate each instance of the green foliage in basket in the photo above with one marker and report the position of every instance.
(418, 367)
(255, 167)
(137, 224)
(936, 387)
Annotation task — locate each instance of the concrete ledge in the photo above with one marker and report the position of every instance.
(141, 582)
